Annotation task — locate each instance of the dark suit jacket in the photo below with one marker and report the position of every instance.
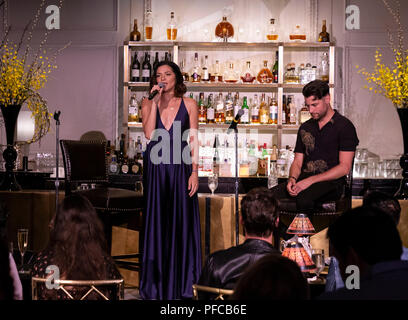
(386, 281)
(223, 268)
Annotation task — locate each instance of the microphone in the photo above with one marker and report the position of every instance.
(233, 125)
(154, 92)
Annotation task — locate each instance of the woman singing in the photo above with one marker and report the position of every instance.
(171, 248)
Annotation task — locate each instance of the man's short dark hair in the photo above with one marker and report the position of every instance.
(370, 232)
(384, 202)
(316, 88)
(259, 212)
(272, 277)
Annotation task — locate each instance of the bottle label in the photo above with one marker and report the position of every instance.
(255, 112)
(273, 112)
(125, 168)
(146, 73)
(132, 110)
(283, 117)
(206, 76)
(135, 168)
(245, 116)
(210, 113)
(113, 167)
(135, 73)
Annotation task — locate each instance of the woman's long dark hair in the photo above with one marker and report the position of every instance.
(77, 240)
(180, 88)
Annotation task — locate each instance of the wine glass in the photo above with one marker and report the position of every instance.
(213, 182)
(318, 259)
(22, 240)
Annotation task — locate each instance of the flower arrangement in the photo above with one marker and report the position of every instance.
(391, 81)
(22, 76)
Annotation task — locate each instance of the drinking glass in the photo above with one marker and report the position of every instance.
(213, 182)
(318, 259)
(139, 187)
(22, 240)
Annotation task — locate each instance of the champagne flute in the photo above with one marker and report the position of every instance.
(213, 182)
(22, 240)
(318, 259)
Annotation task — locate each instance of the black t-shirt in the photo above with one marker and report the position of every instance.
(321, 146)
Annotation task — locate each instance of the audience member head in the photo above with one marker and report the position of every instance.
(384, 202)
(77, 240)
(273, 277)
(364, 236)
(6, 281)
(259, 212)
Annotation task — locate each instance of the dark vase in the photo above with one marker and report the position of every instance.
(10, 115)
(402, 192)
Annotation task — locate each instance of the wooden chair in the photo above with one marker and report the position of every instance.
(86, 162)
(217, 292)
(87, 288)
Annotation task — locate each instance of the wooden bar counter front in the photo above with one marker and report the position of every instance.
(34, 209)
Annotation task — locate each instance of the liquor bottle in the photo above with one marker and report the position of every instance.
(216, 76)
(273, 110)
(210, 109)
(265, 75)
(205, 75)
(292, 109)
(202, 110)
(297, 34)
(131, 151)
(255, 110)
(171, 28)
(248, 76)
(272, 34)
(229, 108)
(140, 111)
(302, 74)
(124, 168)
(133, 110)
(324, 35)
(166, 56)
(135, 69)
(146, 68)
(183, 72)
(216, 157)
(139, 156)
(135, 34)
(148, 25)
(237, 105)
(156, 61)
(324, 68)
(263, 111)
(284, 113)
(231, 75)
(304, 114)
(195, 75)
(275, 68)
(224, 29)
(113, 167)
(219, 109)
(122, 151)
(245, 116)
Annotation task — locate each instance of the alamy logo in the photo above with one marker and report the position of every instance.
(353, 280)
(352, 17)
(53, 278)
(52, 21)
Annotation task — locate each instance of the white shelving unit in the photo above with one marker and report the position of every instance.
(177, 48)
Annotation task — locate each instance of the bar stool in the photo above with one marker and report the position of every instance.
(85, 162)
(330, 209)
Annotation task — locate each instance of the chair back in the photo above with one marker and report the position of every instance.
(84, 162)
(85, 287)
(218, 292)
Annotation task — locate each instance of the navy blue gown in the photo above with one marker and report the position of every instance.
(171, 241)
